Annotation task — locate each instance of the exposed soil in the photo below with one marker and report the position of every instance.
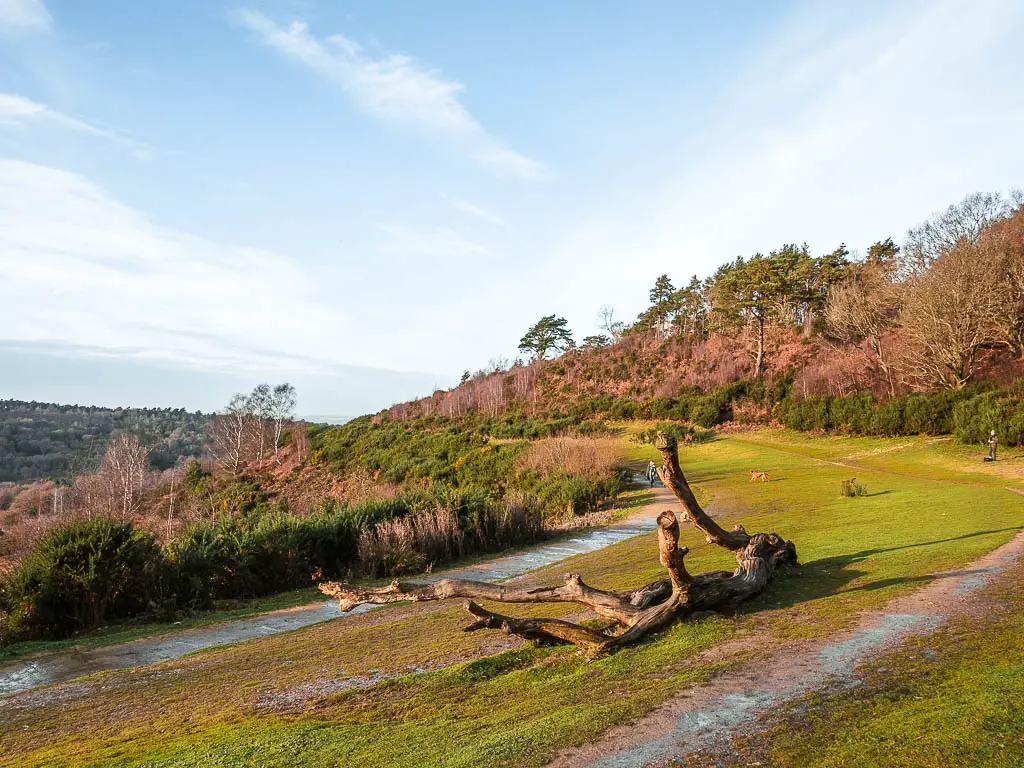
(705, 717)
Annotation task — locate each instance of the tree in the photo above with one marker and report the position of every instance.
(607, 323)
(636, 613)
(124, 472)
(690, 309)
(951, 311)
(883, 253)
(550, 333)
(282, 410)
(961, 222)
(863, 307)
(1001, 249)
(751, 292)
(230, 433)
(260, 405)
(662, 297)
(596, 342)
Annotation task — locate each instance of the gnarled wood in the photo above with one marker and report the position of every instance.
(543, 630)
(672, 476)
(574, 590)
(638, 612)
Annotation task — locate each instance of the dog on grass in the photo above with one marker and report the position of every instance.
(762, 476)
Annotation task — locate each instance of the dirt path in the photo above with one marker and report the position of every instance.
(706, 716)
(62, 666)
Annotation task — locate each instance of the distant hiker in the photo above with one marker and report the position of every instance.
(993, 443)
(652, 473)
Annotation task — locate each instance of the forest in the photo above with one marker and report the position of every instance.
(46, 440)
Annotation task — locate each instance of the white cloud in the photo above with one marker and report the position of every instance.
(433, 242)
(395, 88)
(479, 211)
(81, 269)
(24, 17)
(16, 109)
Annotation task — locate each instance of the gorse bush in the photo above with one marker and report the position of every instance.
(84, 574)
(968, 414)
(684, 434)
(90, 573)
(862, 414)
(976, 418)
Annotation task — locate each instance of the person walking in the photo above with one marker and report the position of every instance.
(993, 443)
(652, 473)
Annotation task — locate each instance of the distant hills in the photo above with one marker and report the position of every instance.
(40, 440)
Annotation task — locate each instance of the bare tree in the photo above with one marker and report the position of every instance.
(1001, 249)
(607, 322)
(962, 222)
(124, 471)
(261, 406)
(636, 612)
(230, 433)
(282, 410)
(863, 307)
(950, 313)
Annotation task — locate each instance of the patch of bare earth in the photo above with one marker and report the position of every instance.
(770, 671)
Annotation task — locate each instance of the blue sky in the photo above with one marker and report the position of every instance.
(366, 199)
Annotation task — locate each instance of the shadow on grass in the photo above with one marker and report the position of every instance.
(828, 576)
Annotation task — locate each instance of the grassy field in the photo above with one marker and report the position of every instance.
(432, 695)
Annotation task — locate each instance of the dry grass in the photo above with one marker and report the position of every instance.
(590, 457)
(409, 544)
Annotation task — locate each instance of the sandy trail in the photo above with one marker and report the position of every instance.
(706, 716)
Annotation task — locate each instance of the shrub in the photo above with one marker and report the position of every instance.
(851, 488)
(974, 419)
(84, 574)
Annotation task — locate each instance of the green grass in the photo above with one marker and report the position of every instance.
(954, 698)
(518, 707)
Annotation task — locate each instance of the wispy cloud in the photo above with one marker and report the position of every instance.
(82, 269)
(17, 110)
(479, 211)
(401, 240)
(393, 87)
(23, 17)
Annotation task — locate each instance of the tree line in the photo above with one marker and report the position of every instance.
(39, 440)
(951, 293)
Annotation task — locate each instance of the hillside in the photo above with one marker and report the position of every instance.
(46, 440)
(944, 313)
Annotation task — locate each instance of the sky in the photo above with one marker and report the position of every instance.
(366, 199)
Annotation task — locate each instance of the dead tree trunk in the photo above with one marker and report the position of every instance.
(637, 612)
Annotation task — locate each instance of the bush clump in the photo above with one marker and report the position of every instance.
(851, 488)
(82, 575)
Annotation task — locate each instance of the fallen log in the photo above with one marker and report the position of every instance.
(636, 613)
